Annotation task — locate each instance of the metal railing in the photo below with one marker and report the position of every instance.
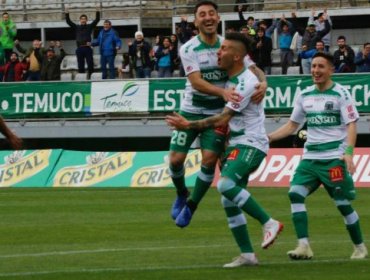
(228, 6)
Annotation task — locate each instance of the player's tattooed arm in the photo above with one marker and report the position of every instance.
(213, 121)
(176, 121)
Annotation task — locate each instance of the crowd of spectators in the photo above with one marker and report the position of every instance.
(297, 44)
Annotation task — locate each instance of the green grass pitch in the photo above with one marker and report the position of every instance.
(113, 233)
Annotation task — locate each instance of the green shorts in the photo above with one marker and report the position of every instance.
(212, 139)
(240, 162)
(332, 174)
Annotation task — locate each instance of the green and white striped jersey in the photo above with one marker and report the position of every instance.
(327, 114)
(247, 125)
(197, 55)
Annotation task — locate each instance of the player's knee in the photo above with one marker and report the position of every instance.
(297, 194)
(177, 159)
(225, 184)
(226, 203)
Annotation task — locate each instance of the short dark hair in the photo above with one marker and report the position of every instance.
(204, 3)
(83, 15)
(320, 15)
(108, 21)
(341, 37)
(367, 43)
(320, 41)
(239, 37)
(328, 57)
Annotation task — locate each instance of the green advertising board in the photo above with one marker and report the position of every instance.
(45, 99)
(70, 99)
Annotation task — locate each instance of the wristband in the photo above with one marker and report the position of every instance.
(349, 151)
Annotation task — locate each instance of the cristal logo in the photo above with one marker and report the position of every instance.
(20, 166)
(129, 89)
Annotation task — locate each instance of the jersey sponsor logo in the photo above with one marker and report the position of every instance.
(216, 75)
(322, 120)
(336, 174)
(233, 155)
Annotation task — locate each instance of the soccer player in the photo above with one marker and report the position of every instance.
(14, 141)
(248, 146)
(328, 153)
(205, 95)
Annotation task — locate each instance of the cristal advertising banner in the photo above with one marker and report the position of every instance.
(123, 169)
(57, 168)
(30, 168)
(155, 95)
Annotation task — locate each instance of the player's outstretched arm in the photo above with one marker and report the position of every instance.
(284, 131)
(14, 140)
(176, 121)
(203, 86)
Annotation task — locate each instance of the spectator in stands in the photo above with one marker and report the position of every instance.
(139, 51)
(308, 54)
(8, 31)
(320, 25)
(2, 61)
(166, 56)
(33, 73)
(125, 71)
(186, 30)
(286, 32)
(344, 57)
(249, 23)
(175, 46)
(109, 43)
(157, 43)
(14, 70)
(50, 63)
(269, 30)
(362, 59)
(262, 51)
(83, 32)
(309, 37)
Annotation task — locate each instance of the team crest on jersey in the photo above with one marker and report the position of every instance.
(233, 155)
(336, 174)
(329, 106)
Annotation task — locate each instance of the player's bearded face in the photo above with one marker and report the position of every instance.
(207, 19)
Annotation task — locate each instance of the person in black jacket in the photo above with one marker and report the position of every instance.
(262, 51)
(139, 51)
(83, 33)
(50, 63)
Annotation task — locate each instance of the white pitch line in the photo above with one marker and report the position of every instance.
(107, 250)
(169, 268)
